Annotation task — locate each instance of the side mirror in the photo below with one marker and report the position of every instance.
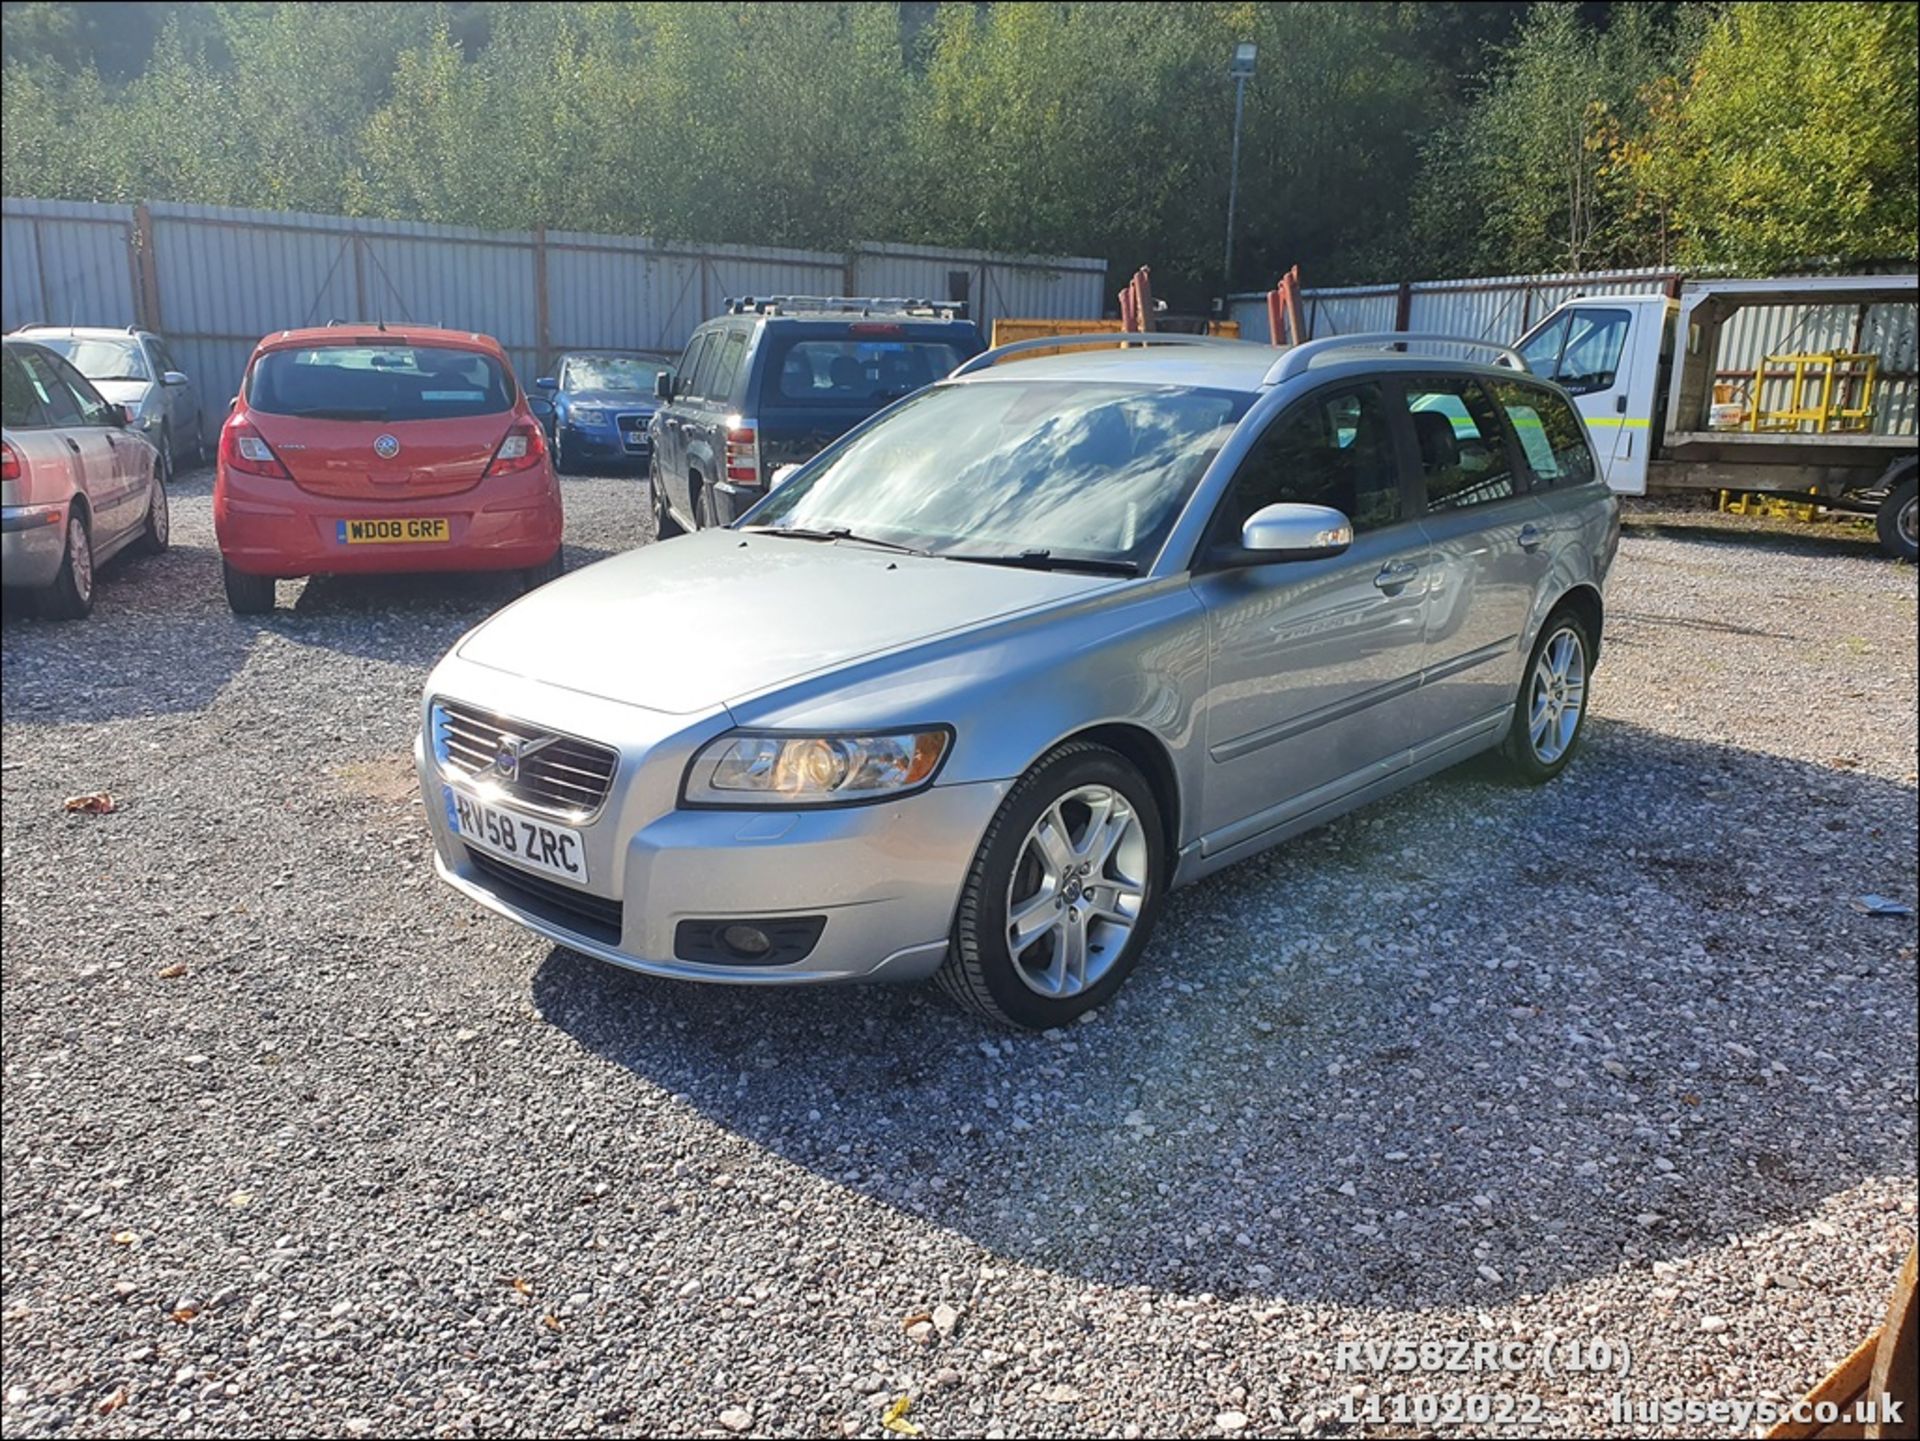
(546, 382)
(783, 473)
(663, 385)
(174, 377)
(122, 414)
(1290, 532)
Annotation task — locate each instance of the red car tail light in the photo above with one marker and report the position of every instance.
(9, 462)
(244, 449)
(525, 446)
(743, 453)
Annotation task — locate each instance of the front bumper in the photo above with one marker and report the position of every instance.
(33, 538)
(886, 877)
(605, 442)
(272, 527)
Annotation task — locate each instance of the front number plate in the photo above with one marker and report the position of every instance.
(391, 532)
(551, 850)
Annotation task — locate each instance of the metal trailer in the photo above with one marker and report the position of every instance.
(1669, 412)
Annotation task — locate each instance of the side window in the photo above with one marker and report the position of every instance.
(19, 398)
(56, 401)
(703, 373)
(1549, 432)
(1334, 448)
(686, 385)
(728, 370)
(93, 409)
(1580, 350)
(161, 357)
(1463, 452)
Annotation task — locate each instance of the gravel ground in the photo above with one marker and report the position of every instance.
(298, 1141)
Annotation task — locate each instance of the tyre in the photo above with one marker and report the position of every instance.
(247, 594)
(665, 527)
(1550, 714)
(167, 467)
(704, 515)
(563, 461)
(153, 539)
(70, 597)
(1897, 520)
(535, 576)
(1062, 894)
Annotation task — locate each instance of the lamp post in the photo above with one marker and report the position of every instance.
(1241, 69)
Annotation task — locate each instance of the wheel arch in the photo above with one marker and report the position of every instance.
(1149, 755)
(1585, 601)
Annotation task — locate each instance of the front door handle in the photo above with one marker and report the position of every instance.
(1531, 536)
(72, 444)
(1396, 573)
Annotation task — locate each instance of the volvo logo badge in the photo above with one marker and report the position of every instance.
(386, 447)
(512, 750)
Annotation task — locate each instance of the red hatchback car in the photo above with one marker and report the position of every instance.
(357, 448)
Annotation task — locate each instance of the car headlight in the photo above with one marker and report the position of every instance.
(814, 770)
(587, 415)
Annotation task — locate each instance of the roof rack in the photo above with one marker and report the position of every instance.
(845, 304)
(1299, 359)
(1089, 340)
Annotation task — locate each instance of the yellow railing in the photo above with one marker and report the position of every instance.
(1828, 391)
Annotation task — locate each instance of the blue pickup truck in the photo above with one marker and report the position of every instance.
(774, 381)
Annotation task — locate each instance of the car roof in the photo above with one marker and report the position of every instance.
(88, 332)
(358, 333)
(1232, 365)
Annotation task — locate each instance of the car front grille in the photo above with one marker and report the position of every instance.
(559, 775)
(631, 424)
(592, 916)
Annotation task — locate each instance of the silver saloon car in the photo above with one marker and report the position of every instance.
(970, 692)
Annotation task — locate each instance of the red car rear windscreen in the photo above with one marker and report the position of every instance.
(379, 382)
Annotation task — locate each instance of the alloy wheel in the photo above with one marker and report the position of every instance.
(1909, 521)
(80, 557)
(1077, 892)
(1557, 695)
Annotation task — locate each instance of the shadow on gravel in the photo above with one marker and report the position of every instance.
(161, 639)
(1474, 1041)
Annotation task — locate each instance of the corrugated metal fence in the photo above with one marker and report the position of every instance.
(214, 279)
(1505, 307)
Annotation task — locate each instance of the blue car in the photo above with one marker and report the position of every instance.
(601, 406)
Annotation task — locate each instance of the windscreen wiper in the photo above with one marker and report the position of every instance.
(839, 532)
(1047, 560)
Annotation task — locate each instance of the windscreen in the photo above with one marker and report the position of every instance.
(611, 372)
(379, 382)
(1092, 471)
(100, 359)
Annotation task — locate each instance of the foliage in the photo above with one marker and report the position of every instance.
(1792, 140)
(1380, 140)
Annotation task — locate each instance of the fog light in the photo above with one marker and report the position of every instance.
(746, 940)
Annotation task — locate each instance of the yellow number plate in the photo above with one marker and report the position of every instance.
(388, 532)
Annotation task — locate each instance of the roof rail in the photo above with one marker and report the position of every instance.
(1299, 359)
(1085, 341)
(854, 304)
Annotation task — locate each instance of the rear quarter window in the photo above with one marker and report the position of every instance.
(1550, 435)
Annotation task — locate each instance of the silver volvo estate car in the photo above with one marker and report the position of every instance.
(970, 692)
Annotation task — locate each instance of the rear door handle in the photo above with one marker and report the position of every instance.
(72, 444)
(1531, 536)
(1396, 573)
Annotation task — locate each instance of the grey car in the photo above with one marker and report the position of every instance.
(970, 692)
(135, 370)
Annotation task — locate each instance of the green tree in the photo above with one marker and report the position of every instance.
(1526, 178)
(1792, 140)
